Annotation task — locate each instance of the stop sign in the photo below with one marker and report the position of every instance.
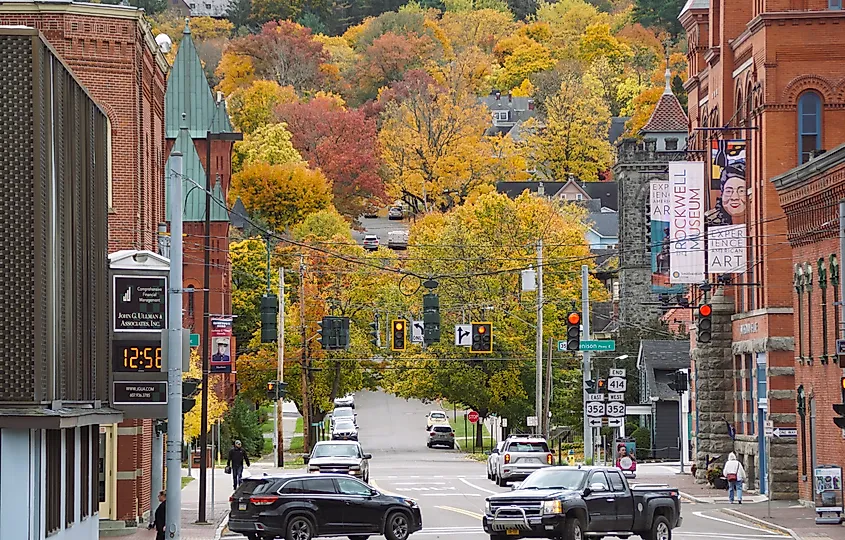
(472, 416)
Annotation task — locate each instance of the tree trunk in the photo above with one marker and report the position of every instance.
(479, 434)
(336, 381)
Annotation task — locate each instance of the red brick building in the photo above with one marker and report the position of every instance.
(810, 195)
(112, 51)
(755, 74)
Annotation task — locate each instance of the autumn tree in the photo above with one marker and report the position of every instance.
(526, 58)
(234, 71)
(284, 52)
(216, 406)
(252, 107)
(282, 195)
(572, 139)
(274, 10)
(268, 145)
(249, 283)
(387, 59)
(568, 20)
(481, 28)
(431, 141)
(660, 13)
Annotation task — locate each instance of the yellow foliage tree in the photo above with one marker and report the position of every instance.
(283, 195)
(252, 107)
(526, 89)
(643, 106)
(568, 20)
(481, 28)
(216, 406)
(235, 71)
(573, 138)
(527, 58)
(270, 144)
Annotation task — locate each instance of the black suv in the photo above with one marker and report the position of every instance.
(305, 506)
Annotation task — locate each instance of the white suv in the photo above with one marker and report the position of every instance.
(521, 456)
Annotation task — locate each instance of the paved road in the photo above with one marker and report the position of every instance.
(451, 489)
(380, 227)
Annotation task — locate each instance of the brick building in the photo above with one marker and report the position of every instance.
(810, 195)
(113, 53)
(189, 93)
(756, 75)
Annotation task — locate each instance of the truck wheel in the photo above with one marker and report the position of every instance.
(660, 529)
(573, 529)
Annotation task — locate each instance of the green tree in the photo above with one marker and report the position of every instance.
(241, 423)
(660, 13)
(249, 283)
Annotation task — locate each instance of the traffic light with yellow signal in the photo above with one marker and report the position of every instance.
(482, 338)
(398, 332)
(573, 331)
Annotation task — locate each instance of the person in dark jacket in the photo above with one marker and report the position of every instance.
(237, 458)
(159, 520)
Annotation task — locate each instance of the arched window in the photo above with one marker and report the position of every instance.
(739, 104)
(809, 125)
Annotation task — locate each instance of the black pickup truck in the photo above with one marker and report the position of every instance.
(574, 502)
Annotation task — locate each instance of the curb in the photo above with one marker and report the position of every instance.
(761, 522)
(219, 532)
(690, 498)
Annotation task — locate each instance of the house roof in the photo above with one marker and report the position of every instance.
(617, 128)
(606, 192)
(193, 185)
(515, 189)
(695, 4)
(668, 116)
(604, 224)
(188, 92)
(658, 358)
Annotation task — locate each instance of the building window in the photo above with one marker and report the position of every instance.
(85, 469)
(53, 489)
(70, 476)
(671, 144)
(109, 161)
(809, 125)
(190, 301)
(500, 116)
(208, 6)
(579, 197)
(834, 4)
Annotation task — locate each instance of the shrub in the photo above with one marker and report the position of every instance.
(242, 423)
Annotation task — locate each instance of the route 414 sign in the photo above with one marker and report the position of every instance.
(617, 384)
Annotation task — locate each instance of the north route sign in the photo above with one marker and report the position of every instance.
(140, 303)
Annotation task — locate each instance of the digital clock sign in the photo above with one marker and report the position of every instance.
(136, 356)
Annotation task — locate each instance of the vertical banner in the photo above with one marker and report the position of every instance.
(222, 355)
(660, 204)
(726, 229)
(686, 228)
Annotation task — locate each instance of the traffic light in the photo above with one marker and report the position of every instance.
(679, 382)
(323, 333)
(375, 332)
(269, 314)
(601, 385)
(705, 323)
(398, 330)
(333, 333)
(276, 390)
(590, 386)
(482, 337)
(341, 325)
(190, 387)
(573, 331)
(431, 318)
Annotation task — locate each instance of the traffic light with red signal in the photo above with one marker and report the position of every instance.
(704, 327)
(573, 331)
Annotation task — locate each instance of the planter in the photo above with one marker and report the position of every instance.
(720, 483)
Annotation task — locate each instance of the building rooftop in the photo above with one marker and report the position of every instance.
(604, 224)
(658, 358)
(668, 115)
(606, 192)
(193, 185)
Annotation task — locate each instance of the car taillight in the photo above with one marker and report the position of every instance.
(451, 433)
(433, 433)
(263, 501)
(232, 499)
(549, 459)
(507, 458)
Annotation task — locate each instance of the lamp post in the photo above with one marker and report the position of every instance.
(206, 338)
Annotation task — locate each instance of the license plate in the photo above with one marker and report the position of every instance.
(242, 506)
(512, 532)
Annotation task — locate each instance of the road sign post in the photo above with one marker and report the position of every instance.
(472, 416)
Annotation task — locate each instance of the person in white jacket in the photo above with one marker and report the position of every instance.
(735, 474)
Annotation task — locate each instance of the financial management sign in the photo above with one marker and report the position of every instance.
(140, 303)
(686, 226)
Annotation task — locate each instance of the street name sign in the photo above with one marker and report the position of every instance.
(617, 384)
(594, 408)
(195, 340)
(597, 345)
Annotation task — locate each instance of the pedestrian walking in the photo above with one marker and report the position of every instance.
(735, 474)
(159, 523)
(237, 458)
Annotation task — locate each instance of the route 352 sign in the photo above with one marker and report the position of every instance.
(594, 408)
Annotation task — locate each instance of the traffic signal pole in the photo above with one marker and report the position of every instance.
(280, 373)
(585, 356)
(306, 402)
(538, 380)
(173, 510)
(841, 330)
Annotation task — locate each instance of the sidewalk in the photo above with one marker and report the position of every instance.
(686, 484)
(190, 509)
(788, 517)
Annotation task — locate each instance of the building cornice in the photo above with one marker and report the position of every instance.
(766, 19)
(806, 173)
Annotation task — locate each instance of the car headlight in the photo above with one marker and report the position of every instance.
(355, 468)
(488, 508)
(553, 507)
(411, 502)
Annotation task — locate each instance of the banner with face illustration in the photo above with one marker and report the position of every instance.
(726, 218)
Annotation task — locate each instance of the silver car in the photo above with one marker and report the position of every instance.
(339, 457)
(344, 413)
(441, 436)
(520, 457)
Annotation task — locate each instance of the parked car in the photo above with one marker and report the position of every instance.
(436, 418)
(397, 240)
(344, 430)
(346, 401)
(343, 412)
(371, 212)
(522, 456)
(395, 212)
(574, 502)
(370, 242)
(493, 460)
(441, 436)
(341, 457)
(303, 507)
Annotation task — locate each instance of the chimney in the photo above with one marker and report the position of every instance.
(510, 97)
(498, 95)
(530, 104)
(219, 96)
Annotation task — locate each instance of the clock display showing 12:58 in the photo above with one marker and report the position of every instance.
(136, 356)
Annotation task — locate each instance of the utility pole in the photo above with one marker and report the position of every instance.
(538, 380)
(280, 372)
(585, 355)
(306, 402)
(173, 510)
(547, 421)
